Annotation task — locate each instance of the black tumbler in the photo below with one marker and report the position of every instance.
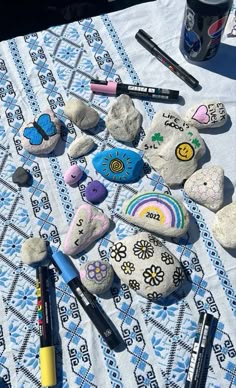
(203, 26)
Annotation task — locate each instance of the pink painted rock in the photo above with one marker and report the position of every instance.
(210, 114)
(73, 175)
(88, 225)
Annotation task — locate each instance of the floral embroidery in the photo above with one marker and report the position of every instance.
(154, 295)
(127, 267)
(118, 251)
(143, 249)
(96, 271)
(153, 275)
(178, 277)
(167, 258)
(155, 241)
(134, 284)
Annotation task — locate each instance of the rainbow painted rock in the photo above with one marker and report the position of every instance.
(119, 165)
(157, 212)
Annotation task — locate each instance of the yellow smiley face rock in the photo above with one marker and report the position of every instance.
(184, 152)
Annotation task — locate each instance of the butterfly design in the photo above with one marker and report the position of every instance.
(42, 129)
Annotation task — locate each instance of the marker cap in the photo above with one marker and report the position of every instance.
(108, 87)
(48, 366)
(65, 266)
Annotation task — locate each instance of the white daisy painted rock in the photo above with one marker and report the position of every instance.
(88, 225)
(144, 264)
(97, 276)
(123, 120)
(206, 115)
(40, 136)
(224, 226)
(81, 114)
(34, 251)
(206, 186)
(173, 147)
(157, 212)
(80, 146)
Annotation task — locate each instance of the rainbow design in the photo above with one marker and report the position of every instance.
(162, 208)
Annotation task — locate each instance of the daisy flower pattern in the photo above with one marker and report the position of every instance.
(127, 267)
(153, 275)
(134, 284)
(118, 251)
(154, 296)
(143, 249)
(96, 271)
(155, 241)
(178, 276)
(167, 258)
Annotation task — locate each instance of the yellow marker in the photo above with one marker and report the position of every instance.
(48, 366)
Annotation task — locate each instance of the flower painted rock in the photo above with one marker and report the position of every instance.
(95, 192)
(207, 115)
(73, 175)
(40, 136)
(224, 226)
(206, 186)
(81, 114)
(34, 252)
(97, 276)
(144, 264)
(157, 212)
(123, 120)
(88, 225)
(173, 147)
(119, 165)
(80, 146)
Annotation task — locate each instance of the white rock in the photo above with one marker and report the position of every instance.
(173, 147)
(146, 265)
(224, 226)
(209, 114)
(123, 120)
(157, 212)
(97, 276)
(81, 146)
(34, 251)
(81, 114)
(206, 186)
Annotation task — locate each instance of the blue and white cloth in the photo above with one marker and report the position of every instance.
(43, 70)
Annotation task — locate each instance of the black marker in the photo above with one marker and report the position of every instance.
(88, 301)
(135, 91)
(146, 41)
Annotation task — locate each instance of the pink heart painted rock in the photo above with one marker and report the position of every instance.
(207, 115)
(88, 225)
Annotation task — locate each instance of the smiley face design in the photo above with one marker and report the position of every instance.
(184, 152)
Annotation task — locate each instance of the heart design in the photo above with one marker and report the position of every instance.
(201, 115)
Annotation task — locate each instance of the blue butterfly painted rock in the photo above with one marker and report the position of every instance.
(119, 165)
(41, 135)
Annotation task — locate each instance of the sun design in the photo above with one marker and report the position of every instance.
(118, 166)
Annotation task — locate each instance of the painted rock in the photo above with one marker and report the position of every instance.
(123, 120)
(173, 147)
(224, 226)
(144, 264)
(206, 186)
(88, 225)
(119, 165)
(21, 177)
(97, 276)
(34, 252)
(81, 114)
(40, 136)
(80, 146)
(207, 115)
(95, 192)
(157, 212)
(73, 175)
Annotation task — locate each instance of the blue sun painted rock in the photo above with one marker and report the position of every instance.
(210, 114)
(40, 136)
(97, 276)
(119, 165)
(157, 212)
(95, 192)
(144, 264)
(73, 175)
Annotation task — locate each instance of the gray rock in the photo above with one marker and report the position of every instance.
(123, 120)
(206, 186)
(81, 114)
(81, 146)
(88, 225)
(209, 114)
(97, 276)
(34, 252)
(144, 264)
(224, 226)
(21, 177)
(173, 147)
(157, 212)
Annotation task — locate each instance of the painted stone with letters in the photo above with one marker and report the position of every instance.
(206, 115)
